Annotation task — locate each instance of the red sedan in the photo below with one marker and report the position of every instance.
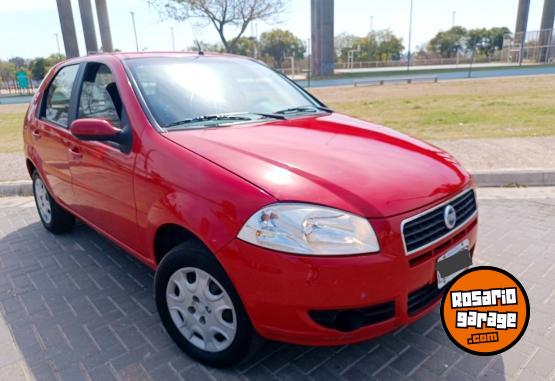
(263, 212)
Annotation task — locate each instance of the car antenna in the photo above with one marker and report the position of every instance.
(197, 42)
(200, 52)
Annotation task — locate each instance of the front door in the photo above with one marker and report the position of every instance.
(51, 137)
(102, 173)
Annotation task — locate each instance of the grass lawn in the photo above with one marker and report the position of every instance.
(11, 127)
(507, 107)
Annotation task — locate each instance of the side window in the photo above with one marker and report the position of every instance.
(59, 95)
(99, 95)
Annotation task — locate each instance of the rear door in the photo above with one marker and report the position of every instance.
(102, 172)
(50, 136)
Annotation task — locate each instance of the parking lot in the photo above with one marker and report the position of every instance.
(76, 307)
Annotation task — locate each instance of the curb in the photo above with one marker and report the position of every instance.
(16, 188)
(484, 179)
(512, 177)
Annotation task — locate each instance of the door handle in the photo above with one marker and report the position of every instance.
(75, 152)
(36, 133)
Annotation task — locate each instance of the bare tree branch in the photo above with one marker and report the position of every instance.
(238, 14)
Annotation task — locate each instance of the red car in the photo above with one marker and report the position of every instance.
(263, 212)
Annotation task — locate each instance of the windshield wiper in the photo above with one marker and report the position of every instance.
(308, 108)
(271, 116)
(205, 118)
(236, 116)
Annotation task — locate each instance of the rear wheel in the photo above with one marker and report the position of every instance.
(200, 308)
(53, 216)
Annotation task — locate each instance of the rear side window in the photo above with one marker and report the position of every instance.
(59, 95)
(99, 95)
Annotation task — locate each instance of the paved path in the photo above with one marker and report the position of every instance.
(75, 307)
(475, 154)
(15, 100)
(491, 65)
(12, 167)
(503, 153)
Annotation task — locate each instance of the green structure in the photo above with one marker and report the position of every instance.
(22, 81)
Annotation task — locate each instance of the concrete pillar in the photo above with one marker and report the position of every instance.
(68, 28)
(323, 54)
(521, 26)
(546, 33)
(522, 19)
(88, 25)
(104, 26)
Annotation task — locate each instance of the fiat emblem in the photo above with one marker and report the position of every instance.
(450, 217)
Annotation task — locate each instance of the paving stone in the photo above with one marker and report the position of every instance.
(409, 360)
(441, 360)
(542, 363)
(165, 372)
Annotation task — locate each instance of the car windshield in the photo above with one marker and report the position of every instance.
(184, 91)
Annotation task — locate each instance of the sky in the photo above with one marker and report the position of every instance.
(28, 27)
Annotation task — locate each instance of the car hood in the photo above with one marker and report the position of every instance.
(332, 160)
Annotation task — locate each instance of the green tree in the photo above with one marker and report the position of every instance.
(279, 44)
(53, 59)
(19, 62)
(38, 68)
(342, 43)
(448, 43)
(7, 70)
(389, 46)
(380, 45)
(486, 41)
(236, 14)
(366, 47)
(246, 46)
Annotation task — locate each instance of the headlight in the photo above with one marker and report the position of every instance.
(310, 230)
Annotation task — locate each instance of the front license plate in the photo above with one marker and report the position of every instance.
(452, 263)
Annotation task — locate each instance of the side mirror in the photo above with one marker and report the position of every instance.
(95, 129)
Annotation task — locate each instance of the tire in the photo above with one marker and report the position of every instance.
(178, 282)
(53, 217)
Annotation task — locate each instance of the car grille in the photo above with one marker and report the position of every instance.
(422, 298)
(430, 227)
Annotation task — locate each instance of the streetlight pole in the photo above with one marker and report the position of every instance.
(173, 39)
(371, 24)
(58, 43)
(454, 14)
(410, 37)
(134, 30)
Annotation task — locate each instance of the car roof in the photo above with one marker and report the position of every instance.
(162, 54)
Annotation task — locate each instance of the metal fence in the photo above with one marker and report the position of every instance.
(13, 86)
(538, 47)
(461, 59)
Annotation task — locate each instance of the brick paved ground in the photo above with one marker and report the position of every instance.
(76, 307)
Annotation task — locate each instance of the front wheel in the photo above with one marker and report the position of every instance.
(200, 308)
(54, 218)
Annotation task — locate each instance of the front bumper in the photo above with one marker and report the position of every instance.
(279, 290)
